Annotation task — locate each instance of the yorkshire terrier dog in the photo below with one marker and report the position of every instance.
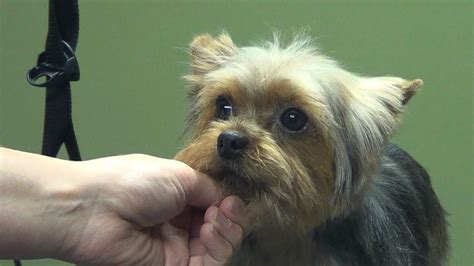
(305, 144)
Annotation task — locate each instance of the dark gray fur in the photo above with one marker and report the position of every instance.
(399, 222)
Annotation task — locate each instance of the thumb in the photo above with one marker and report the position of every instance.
(161, 191)
(200, 190)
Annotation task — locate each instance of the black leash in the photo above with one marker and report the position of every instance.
(55, 68)
(58, 64)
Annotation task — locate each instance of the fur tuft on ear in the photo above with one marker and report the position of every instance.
(409, 88)
(391, 92)
(374, 109)
(208, 52)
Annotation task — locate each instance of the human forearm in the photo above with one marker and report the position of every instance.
(34, 193)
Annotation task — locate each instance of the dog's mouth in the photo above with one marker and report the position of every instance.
(239, 176)
(234, 181)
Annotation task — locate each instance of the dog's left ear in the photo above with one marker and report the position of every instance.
(375, 108)
(409, 88)
(389, 92)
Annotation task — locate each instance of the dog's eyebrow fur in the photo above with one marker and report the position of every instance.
(286, 93)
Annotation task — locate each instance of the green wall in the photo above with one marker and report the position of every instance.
(132, 53)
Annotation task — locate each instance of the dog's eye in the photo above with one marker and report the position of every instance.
(224, 108)
(294, 119)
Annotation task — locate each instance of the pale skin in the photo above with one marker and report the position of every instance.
(127, 210)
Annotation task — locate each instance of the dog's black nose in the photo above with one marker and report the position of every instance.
(230, 144)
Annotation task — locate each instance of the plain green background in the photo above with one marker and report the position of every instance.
(132, 54)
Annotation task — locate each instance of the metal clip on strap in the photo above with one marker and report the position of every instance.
(55, 75)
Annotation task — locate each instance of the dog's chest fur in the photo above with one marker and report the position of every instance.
(279, 248)
(275, 247)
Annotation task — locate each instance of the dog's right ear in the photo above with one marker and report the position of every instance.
(208, 53)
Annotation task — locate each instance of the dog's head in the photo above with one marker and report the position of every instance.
(287, 128)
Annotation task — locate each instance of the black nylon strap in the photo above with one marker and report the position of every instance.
(58, 126)
(59, 65)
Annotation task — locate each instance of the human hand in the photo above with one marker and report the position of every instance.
(130, 209)
(135, 210)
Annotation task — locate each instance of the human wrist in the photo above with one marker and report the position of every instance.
(76, 204)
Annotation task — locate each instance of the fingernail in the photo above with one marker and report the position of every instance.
(222, 220)
(237, 206)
